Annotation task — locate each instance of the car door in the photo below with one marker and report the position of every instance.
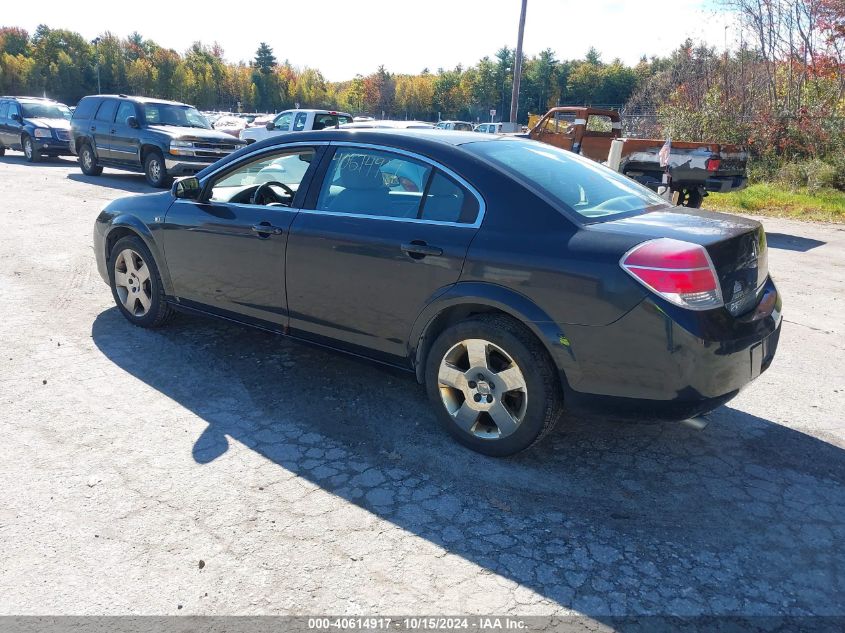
(4, 111)
(383, 234)
(14, 125)
(124, 144)
(101, 128)
(226, 251)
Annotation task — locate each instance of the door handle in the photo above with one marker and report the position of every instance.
(267, 229)
(93, 128)
(419, 249)
(113, 131)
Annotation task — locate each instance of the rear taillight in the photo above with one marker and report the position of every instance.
(678, 271)
(713, 164)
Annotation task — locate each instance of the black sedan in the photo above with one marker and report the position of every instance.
(512, 277)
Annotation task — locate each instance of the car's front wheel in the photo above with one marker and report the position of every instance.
(493, 385)
(88, 162)
(155, 170)
(136, 284)
(30, 153)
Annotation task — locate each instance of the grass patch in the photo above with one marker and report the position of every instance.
(825, 205)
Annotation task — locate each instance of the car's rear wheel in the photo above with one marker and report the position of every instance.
(155, 170)
(2, 151)
(88, 162)
(493, 385)
(30, 153)
(136, 284)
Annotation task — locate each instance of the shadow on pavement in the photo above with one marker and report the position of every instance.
(135, 183)
(788, 242)
(19, 159)
(607, 518)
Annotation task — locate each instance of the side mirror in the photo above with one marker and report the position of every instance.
(186, 188)
(17, 117)
(270, 126)
(132, 122)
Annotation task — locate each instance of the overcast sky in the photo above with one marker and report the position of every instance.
(345, 38)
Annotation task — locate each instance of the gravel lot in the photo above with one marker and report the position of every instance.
(206, 468)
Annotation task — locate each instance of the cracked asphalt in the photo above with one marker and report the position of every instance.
(206, 468)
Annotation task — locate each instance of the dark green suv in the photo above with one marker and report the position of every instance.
(160, 138)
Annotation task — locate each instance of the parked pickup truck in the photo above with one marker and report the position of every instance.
(296, 121)
(695, 168)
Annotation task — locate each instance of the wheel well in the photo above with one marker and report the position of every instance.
(146, 149)
(115, 235)
(443, 320)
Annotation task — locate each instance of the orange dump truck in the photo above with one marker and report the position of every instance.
(695, 168)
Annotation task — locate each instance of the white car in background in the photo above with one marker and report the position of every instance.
(489, 128)
(296, 121)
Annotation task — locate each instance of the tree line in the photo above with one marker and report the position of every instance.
(781, 89)
(65, 66)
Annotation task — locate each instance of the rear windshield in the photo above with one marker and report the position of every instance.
(582, 185)
(322, 121)
(45, 111)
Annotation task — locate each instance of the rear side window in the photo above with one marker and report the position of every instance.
(86, 108)
(299, 122)
(447, 201)
(4, 109)
(372, 182)
(106, 111)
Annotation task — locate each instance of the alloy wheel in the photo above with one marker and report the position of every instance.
(87, 158)
(27, 148)
(483, 389)
(155, 170)
(132, 282)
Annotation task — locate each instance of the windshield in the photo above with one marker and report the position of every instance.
(176, 115)
(45, 111)
(582, 185)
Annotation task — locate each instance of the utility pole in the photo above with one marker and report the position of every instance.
(517, 66)
(96, 43)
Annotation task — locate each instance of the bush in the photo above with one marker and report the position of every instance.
(813, 174)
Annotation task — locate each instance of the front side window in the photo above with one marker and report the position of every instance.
(14, 109)
(580, 184)
(272, 180)
(125, 111)
(4, 110)
(282, 121)
(373, 182)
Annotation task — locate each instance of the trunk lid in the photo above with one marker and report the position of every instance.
(736, 246)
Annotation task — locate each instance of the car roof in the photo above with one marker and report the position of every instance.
(432, 137)
(142, 99)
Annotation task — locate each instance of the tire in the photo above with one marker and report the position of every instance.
(2, 151)
(136, 284)
(88, 161)
(691, 198)
(466, 396)
(28, 146)
(155, 170)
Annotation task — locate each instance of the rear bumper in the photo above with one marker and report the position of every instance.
(668, 358)
(723, 184)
